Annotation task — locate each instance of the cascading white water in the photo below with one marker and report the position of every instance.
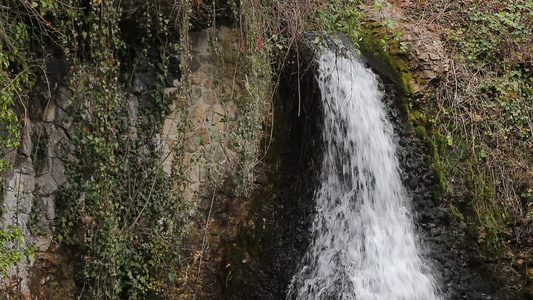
(364, 245)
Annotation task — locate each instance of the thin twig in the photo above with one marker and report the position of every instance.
(204, 239)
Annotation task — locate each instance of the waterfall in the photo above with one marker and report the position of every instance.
(363, 244)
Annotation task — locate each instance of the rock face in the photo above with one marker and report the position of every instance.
(464, 272)
(204, 122)
(240, 245)
(273, 240)
(208, 133)
(38, 171)
(423, 49)
(211, 127)
(453, 263)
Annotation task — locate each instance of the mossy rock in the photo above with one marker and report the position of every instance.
(384, 54)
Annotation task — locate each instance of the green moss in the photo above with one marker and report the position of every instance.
(375, 41)
(457, 153)
(457, 213)
(393, 63)
(489, 213)
(439, 187)
(421, 132)
(482, 215)
(485, 218)
(457, 164)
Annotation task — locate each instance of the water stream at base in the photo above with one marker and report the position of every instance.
(364, 245)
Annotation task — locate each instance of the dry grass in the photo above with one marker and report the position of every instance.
(485, 103)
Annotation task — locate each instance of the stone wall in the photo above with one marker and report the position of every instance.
(199, 129)
(202, 145)
(213, 133)
(38, 171)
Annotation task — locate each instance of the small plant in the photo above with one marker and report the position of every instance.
(343, 16)
(13, 249)
(378, 4)
(19, 69)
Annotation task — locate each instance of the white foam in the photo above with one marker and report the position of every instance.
(364, 245)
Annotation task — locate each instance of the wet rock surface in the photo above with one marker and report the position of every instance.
(38, 172)
(270, 247)
(273, 241)
(451, 254)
